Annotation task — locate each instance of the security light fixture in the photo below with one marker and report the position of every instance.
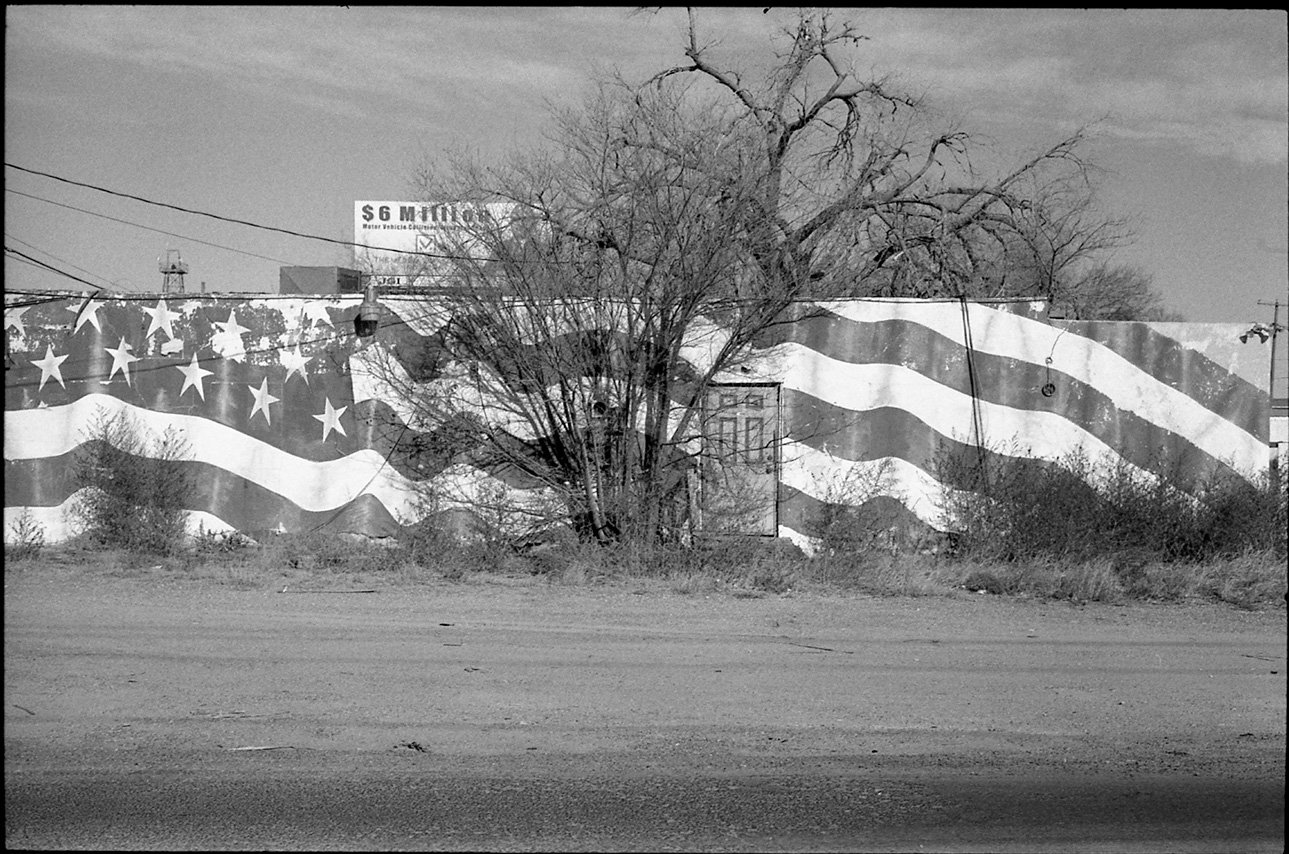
(1259, 329)
(367, 320)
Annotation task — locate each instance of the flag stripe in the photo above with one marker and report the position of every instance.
(894, 432)
(1004, 334)
(216, 494)
(1207, 361)
(311, 486)
(1015, 375)
(950, 411)
(57, 523)
(804, 518)
(49, 482)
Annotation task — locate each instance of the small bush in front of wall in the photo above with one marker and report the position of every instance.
(132, 486)
(214, 543)
(1235, 517)
(26, 538)
(314, 553)
(426, 545)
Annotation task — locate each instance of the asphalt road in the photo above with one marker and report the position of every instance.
(348, 805)
(144, 713)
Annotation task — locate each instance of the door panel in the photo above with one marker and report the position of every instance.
(741, 459)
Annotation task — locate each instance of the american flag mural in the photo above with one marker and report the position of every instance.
(876, 391)
(290, 427)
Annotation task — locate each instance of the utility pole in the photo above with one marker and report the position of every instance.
(1277, 441)
(1275, 333)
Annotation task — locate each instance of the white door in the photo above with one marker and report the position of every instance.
(741, 460)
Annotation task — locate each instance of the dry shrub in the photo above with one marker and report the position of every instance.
(590, 563)
(325, 554)
(859, 511)
(26, 538)
(767, 564)
(1100, 532)
(440, 549)
(133, 486)
(216, 543)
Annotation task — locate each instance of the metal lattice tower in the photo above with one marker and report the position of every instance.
(172, 272)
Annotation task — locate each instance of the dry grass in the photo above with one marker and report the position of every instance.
(1025, 528)
(1251, 580)
(730, 566)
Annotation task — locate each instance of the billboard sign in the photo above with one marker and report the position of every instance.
(411, 243)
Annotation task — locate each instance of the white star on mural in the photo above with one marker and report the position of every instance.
(316, 312)
(86, 311)
(121, 360)
(161, 317)
(13, 319)
(293, 360)
(330, 419)
(193, 375)
(262, 400)
(49, 367)
(227, 342)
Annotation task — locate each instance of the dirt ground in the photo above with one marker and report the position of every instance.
(507, 714)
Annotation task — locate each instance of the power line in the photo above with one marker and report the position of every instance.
(233, 220)
(41, 267)
(37, 262)
(56, 258)
(213, 296)
(148, 228)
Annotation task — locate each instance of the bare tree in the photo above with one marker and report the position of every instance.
(589, 326)
(1111, 292)
(860, 196)
(669, 224)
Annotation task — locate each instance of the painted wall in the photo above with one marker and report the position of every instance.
(292, 429)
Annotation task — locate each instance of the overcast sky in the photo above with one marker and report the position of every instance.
(286, 116)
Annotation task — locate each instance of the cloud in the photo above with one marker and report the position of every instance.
(330, 58)
(1214, 81)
